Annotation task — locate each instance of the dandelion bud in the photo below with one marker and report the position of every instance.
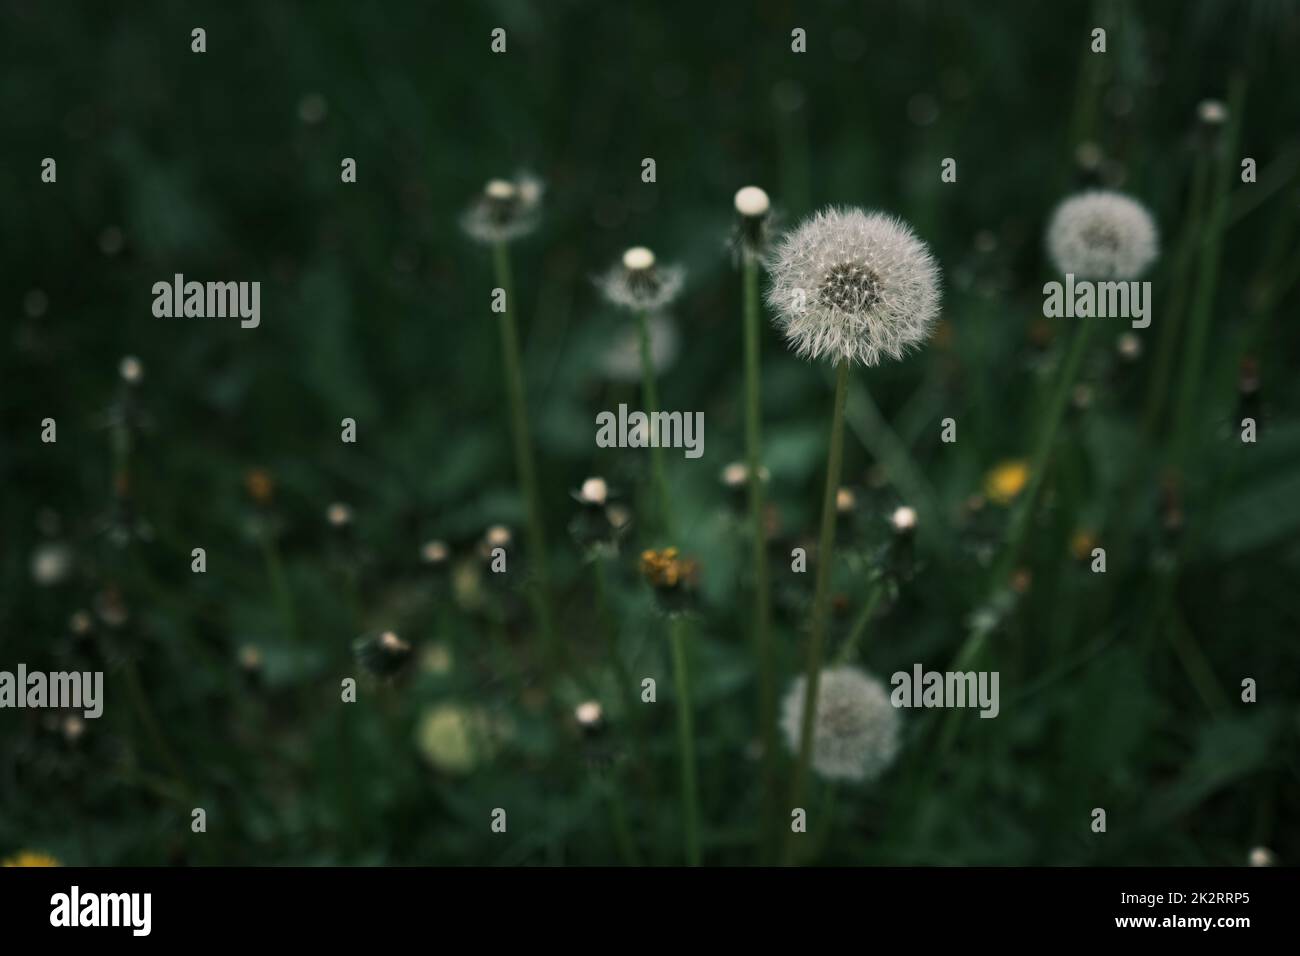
(845, 500)
(1262, 856)
(435, 552)
(590, 716)
(1129, 346)
(383, 655)
(751, 201)
(499, 190)
(903, 519)
(594, 491)
(1212, 112)
(131, 369)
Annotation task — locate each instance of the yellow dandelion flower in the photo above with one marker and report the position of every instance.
(30, 858)
(1006, 481)
(1082, 543)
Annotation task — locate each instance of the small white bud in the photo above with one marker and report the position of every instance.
(594, 491)
(501, 189)
(638, 258)
(131, 369)
(903, 519)
(752, 202)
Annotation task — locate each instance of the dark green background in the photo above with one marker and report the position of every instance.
(374, 306)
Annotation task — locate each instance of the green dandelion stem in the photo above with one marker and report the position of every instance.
(821, 595)
(540, 592)
(762, 581)
(686, 740)
(1038, 464)
(650, 398)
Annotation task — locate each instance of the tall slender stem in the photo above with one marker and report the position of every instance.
(821, 596)
(762, 583)
(541, 590)
(1038, 465)
(686, 739)
(650, 398)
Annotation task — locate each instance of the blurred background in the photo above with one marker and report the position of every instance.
(1119, 690)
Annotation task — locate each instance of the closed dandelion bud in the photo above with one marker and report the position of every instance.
(903, 520)
(590, 717)
(639, 283)
(854, 286)
(506, 210)
(855, 727)
(753, 230)
(384, 654)
(1102, 235)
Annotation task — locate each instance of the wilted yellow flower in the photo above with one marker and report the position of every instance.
(1006, 481)
(31, 858)
(664, 569)
(260, 485)
(1082, 543)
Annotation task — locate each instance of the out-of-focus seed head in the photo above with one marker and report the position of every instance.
(1102, 235)
(1262, 856)
(1212, 112)
(903, 519)
(1129, 346)
(506, 210)
(639, 283)
(594, 491)
(854, 286)
(855, 727)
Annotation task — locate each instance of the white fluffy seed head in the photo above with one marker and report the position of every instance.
(638, 258)
(854, 286)
(751, 201)
(855, 727)
(1102, 234)
(506, 210)
(639, 283)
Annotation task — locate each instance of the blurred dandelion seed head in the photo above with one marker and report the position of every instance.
(639, 283)
(1101, 234)
(736, 474)
(621, 361)
(1129, 346)
(594, 491)
(1262, 856)
(1212, 112)
(506, 210)
(855, 728)
(497, 536)
(589, 714)
(51, 562)
(854, 286)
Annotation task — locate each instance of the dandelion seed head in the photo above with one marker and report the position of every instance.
(752, 202)
(506, 210)
(854, 286)
(338, 514)
(498, 536)
(621, 360)
(639, 283)
(855, 728)
(1101, 234)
